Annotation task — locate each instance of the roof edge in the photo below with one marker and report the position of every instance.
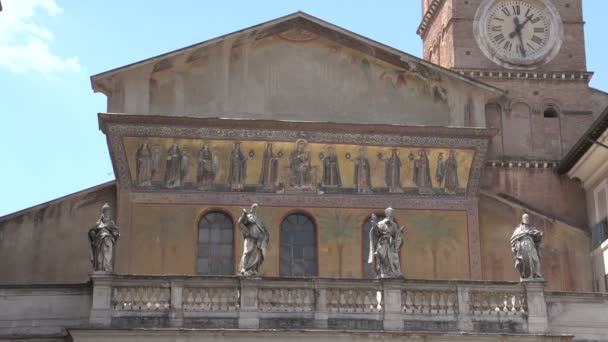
(521, 205)
(597, 128)
(96, 79)
(59, 199)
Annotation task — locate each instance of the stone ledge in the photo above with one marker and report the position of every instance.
(201, 335)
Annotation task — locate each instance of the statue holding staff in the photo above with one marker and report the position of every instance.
(256, 240)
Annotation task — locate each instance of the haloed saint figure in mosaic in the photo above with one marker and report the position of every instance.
(525, 245)
(331, 169)
(392, 172)
(422, 174)
(177, 166)
(144, 165)
(238, 168)
(270, 168)
(363, 179)
(102, 238)
(256, 240)
(447, 173)
(208, 163)
(385, 240)
(301, 166)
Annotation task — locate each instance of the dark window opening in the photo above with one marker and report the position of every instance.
(298, 251)
(216, 244)
(550, 113)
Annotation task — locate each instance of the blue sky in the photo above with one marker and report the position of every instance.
(50, 144)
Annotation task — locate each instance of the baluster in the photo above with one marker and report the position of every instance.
(350, 300)
(360, 301)
(408, 304)
(426, 302)
(434, 302)
(510, 303)
(298, 300)
(441, 302)
(117, 299)
(136, 298)
(189, 299)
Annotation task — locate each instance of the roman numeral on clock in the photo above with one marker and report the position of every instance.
(500, 38)
(516, 10)
(496, 28)
(537, 40)
(535, 20)
(539, 30)
(506, 11)
(508, 45)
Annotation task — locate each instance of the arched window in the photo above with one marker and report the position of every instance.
(298, 246)
(550, 112)
(368, 271)
(216, 244)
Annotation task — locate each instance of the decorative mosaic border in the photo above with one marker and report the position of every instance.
(116, 132)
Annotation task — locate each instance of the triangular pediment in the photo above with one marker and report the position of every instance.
(296, 68)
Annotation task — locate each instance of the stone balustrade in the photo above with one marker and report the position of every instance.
(317, 303)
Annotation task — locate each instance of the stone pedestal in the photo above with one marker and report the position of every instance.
(391, 297)
(537, 307)
(101, 314)
(321, 316)
(176, 315)
(248, 314)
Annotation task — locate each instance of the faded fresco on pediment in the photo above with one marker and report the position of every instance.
(298, 74)
(296, 167)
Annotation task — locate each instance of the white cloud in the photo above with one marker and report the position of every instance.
(24, 43)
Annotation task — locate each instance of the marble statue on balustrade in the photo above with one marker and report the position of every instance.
(525, 245)
(422, 174)
(392, 172)
(256, 239)
(103, 237)
(300, 165)
(385, 240)
(447, 173)
(208, 164)
(238, 168)
(331, 169)
(270, 168)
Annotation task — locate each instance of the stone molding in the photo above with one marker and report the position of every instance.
(548, 165)
(557, 76)
(429, 17)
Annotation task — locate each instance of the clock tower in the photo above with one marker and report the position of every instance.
(532, 49)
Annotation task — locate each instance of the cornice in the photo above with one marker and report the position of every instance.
(566, 76)
(429, 17)
(549, 165)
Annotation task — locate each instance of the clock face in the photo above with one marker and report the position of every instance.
(518, 33)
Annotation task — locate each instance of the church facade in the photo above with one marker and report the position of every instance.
(324, 129)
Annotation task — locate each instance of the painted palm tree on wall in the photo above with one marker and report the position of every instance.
(434, 232)
(338, 226)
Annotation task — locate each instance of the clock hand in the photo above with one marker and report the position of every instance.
(521, 44)
(517, 28)
(525, 21)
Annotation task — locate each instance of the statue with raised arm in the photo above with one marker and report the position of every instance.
(256, 240)
(525, 245)
(385, 240)
(103, 237)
